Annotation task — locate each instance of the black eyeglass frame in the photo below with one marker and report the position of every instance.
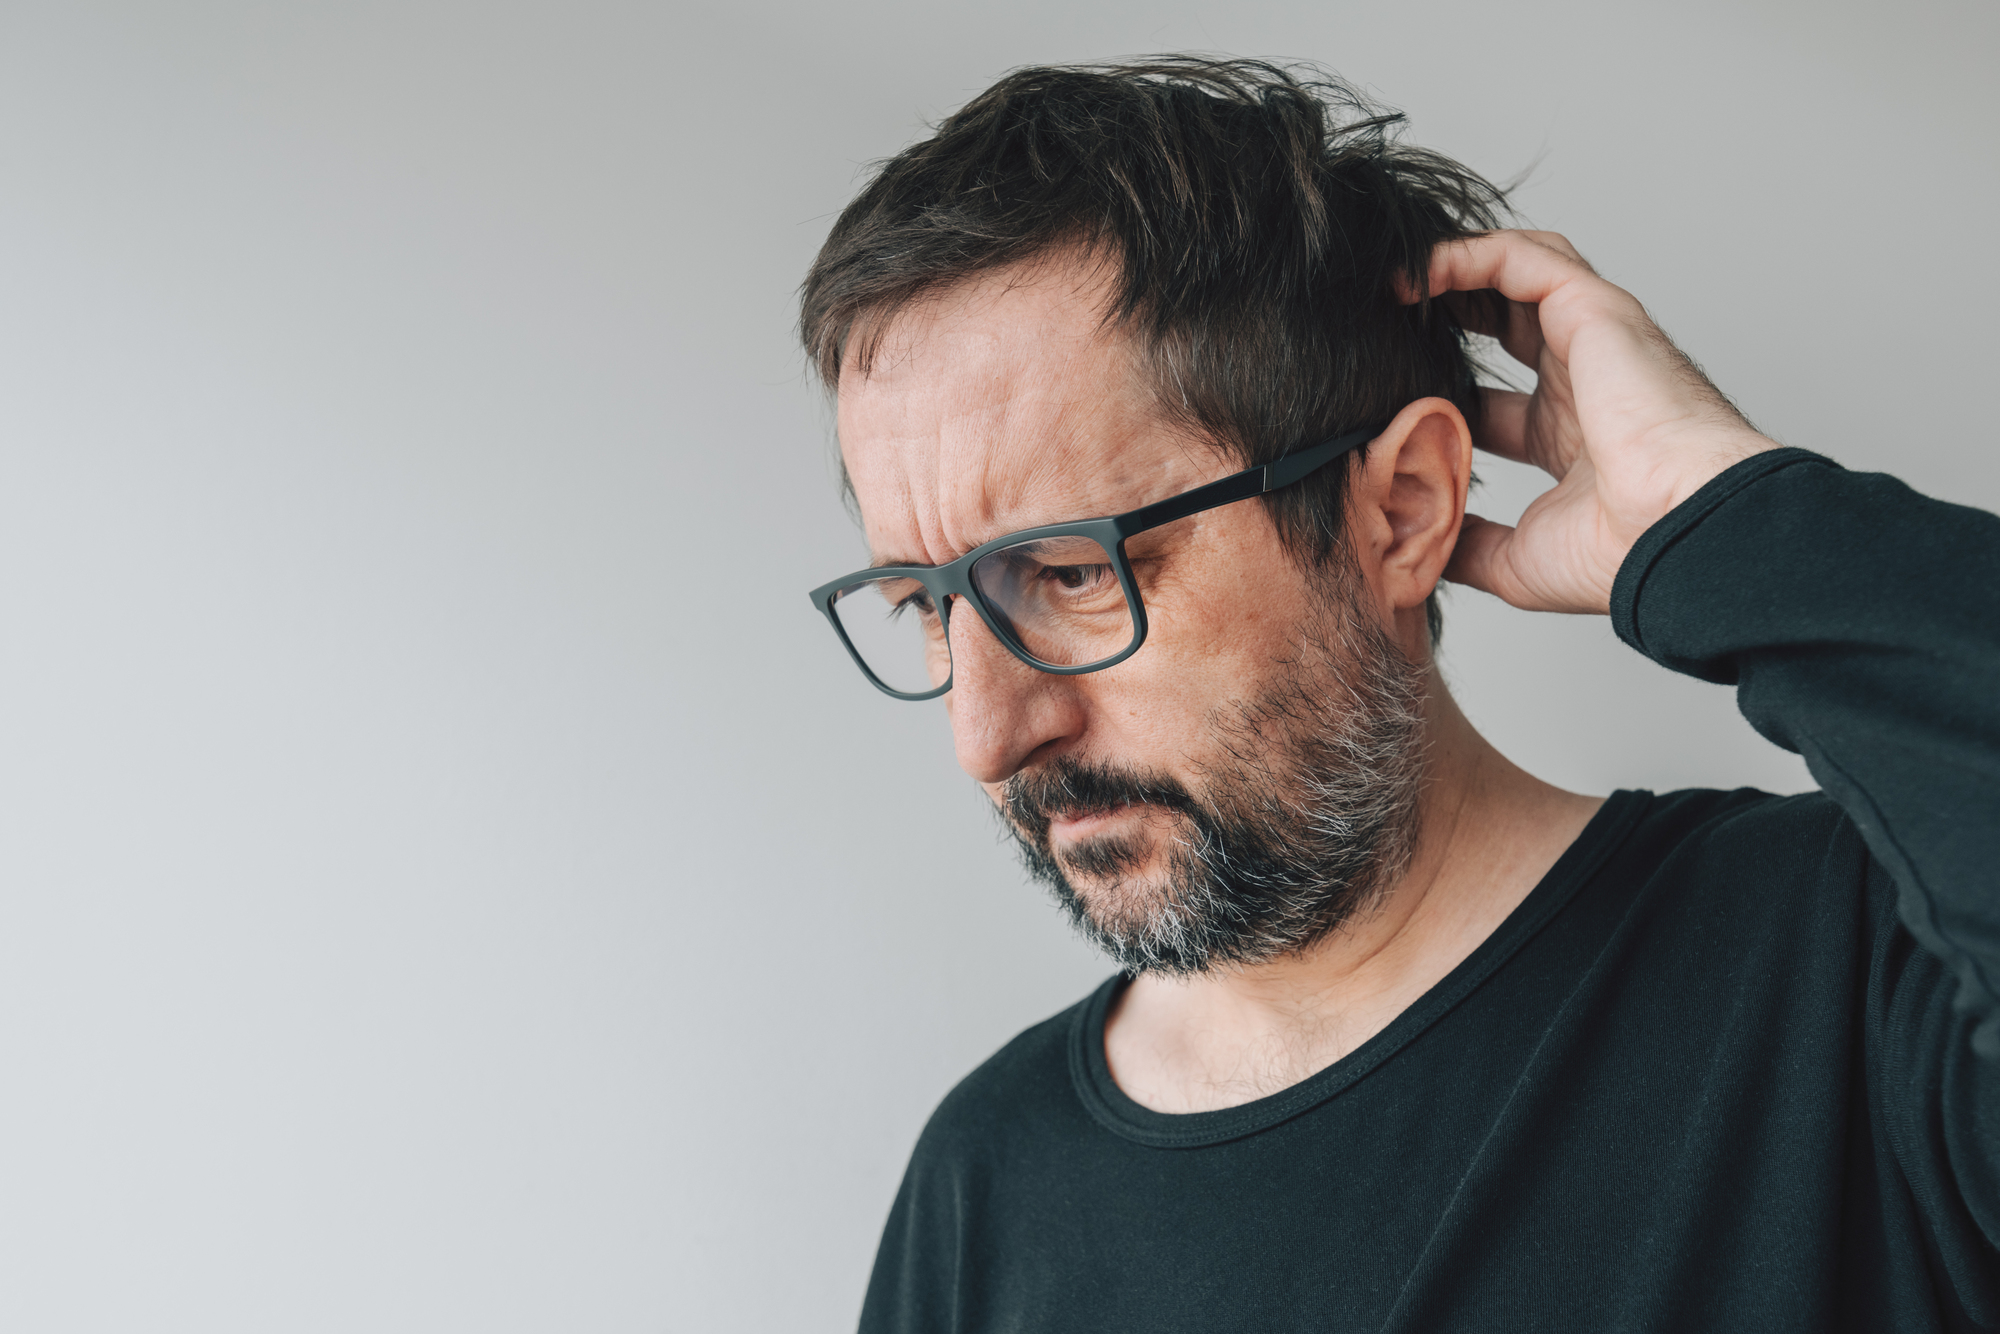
(943, 582)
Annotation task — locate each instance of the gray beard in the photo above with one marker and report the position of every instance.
(1306, 810)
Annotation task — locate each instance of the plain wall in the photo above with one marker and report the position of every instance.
(449, 877)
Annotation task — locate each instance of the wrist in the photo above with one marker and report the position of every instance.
(1709, 461)
(1634, 570)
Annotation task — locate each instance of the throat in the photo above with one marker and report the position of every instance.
(1185, 1045)
(1228, 1036)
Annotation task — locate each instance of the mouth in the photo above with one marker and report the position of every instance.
(1071, 810)
(1080, 823)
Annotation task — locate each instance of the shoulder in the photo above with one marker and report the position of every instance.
(1751, 829)
(1018, 1091)
(1750, 861)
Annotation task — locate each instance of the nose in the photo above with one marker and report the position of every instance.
(1003, 712)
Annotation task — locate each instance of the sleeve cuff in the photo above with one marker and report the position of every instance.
(1630, 585)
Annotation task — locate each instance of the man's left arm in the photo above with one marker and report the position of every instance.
(1860, 623)
(1859, 620)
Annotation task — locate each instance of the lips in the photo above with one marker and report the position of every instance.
(1070, 813)
(1079, 821)
(1072, 801)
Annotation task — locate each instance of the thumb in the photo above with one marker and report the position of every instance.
(1479, 560)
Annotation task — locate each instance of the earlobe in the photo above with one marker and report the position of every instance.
(1417, 472)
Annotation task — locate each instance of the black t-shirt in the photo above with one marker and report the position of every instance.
(1732, 1065)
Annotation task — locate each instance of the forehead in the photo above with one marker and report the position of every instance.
(1000, 404)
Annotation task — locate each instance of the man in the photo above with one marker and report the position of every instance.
(1403, 1038)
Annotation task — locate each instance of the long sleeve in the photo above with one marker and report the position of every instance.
(1860, 624)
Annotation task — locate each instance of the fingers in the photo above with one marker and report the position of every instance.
(1517, 328)
(1490, 316)
(1527, 267)
(1557, 241)
(1502, 427)
(1479, 312)
(1551, 290)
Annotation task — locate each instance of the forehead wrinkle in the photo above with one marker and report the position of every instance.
(1065, 441)
(998, 475)
(1001, 409)
(889, 513)
(1010, 466)
(985, 456)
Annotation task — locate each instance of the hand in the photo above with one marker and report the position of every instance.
(1625, 423)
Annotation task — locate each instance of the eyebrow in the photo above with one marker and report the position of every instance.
(877, 561)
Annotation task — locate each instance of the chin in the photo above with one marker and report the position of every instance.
(1117, 878)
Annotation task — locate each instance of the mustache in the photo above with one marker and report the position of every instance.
(1068, 787)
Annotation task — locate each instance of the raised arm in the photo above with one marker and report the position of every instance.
(1859, 621)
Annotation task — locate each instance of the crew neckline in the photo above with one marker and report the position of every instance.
(1109, 1106)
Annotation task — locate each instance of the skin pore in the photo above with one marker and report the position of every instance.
(1002, 404)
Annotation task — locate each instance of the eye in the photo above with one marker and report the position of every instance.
(1076, 576)
(918, 599)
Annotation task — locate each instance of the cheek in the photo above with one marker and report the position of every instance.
(1219, 630)
(1234, 599)
(1207, 652)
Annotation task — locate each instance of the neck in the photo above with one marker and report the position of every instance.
(1489, 832)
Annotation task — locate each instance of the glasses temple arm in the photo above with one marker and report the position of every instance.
(1303, 463)
(1281, 472)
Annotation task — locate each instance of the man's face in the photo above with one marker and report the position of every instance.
(1265, 731)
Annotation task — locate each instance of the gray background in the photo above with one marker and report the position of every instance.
(449, 879)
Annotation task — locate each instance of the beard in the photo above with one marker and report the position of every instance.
(1307, 808)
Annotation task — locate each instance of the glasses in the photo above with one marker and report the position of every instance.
(1060, 597)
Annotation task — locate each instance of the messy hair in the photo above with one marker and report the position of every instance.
(1257, 219)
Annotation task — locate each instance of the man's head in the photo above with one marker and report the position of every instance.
(1092, 290)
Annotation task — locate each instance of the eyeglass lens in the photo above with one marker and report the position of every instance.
(894, 627)
(1058, 597)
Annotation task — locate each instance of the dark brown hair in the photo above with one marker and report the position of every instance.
(1258, 217)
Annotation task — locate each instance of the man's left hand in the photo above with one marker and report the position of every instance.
(1624, 422)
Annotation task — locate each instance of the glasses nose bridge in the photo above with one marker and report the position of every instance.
(955, 585)
(982, 617)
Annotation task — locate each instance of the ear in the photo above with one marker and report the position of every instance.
(1407, 504)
